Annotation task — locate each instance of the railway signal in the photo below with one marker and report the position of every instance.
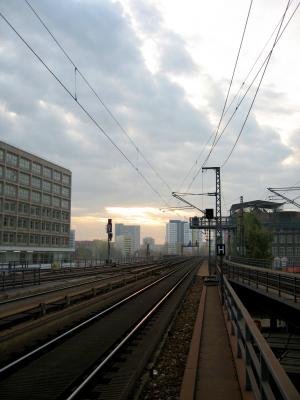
(109, 238)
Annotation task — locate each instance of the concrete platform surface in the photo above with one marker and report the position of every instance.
(216, 377)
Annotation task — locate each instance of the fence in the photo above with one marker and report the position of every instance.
(280, 283)
(264, 374)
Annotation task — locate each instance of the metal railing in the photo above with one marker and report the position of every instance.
(264, 374)
(283, 284)
(256, 262)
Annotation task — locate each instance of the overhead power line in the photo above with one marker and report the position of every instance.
(230, 84)
(259, 84)
(248, 88)
(87, 113)
(107, 109)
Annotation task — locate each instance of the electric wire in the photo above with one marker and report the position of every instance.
(248, 89)
(83, 108)
(258, 87)
(230, 84)
(107, 109)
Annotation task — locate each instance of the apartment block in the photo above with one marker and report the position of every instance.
(35, 207)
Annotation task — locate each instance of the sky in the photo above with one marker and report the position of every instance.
(163, 70)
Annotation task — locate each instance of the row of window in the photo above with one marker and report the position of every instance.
(42, 212)
(27, 239)
(34, 167)
(25, 179)
(11, 221)
(286, 251)
(286, 238)
(34, 196)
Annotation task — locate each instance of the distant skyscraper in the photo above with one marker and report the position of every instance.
(129, 235)
(178, 233)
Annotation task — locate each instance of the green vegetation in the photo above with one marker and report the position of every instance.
(257, 239)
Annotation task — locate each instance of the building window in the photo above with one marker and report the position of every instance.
(65, 204)
(66, 179)
(56, 202)
(36, 197)
(47, 173)
(297, 251)
(65, 192)
(274, 251)
(1, 171)
(10, 191)
(297, 238)
(65, 216)
(22, 238)
(23, 208)
(9, 221)
(10, 206)
(289, 251)
(23, 194)
(12, 159)
(23, 223)
(36, 182)
(1, 187)
(282, 238)
(56, 176)
(56, 189)
(9, 237)
(289, 238)
(24, 178)
(35, 211)
(24, 164)
(281, 251)
(1, 154)
(11, 175)
(47, 186)
(46, 199)
(36, 168)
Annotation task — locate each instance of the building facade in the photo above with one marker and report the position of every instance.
(283, 225)
(178, 234)
(35, 207)
(128, 238)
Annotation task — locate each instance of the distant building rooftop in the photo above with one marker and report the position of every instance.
(256, 204)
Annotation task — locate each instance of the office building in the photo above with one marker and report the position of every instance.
(283, 225)
(127, 238)
(35, 207)
(179, 234)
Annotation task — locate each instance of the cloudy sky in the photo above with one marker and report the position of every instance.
(163, 68)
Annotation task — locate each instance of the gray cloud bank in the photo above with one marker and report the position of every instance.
(37, 115)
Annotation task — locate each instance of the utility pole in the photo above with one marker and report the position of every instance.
(218, 204)
(242, 228)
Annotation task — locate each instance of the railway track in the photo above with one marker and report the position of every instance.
(64, 366)
(18, 310)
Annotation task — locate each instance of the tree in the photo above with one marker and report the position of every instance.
(257, 239)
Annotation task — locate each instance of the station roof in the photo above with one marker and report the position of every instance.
(262, 204)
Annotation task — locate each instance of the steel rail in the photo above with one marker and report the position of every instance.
(125, 340)
(81, 325)
(264, 374)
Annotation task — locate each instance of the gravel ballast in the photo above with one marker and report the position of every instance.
(166, 374)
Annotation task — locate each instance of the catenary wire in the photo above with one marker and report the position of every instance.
(84, 109)
(107, 109)
(233, 100)
(230, 84)
(258, 87)
(247, 90)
